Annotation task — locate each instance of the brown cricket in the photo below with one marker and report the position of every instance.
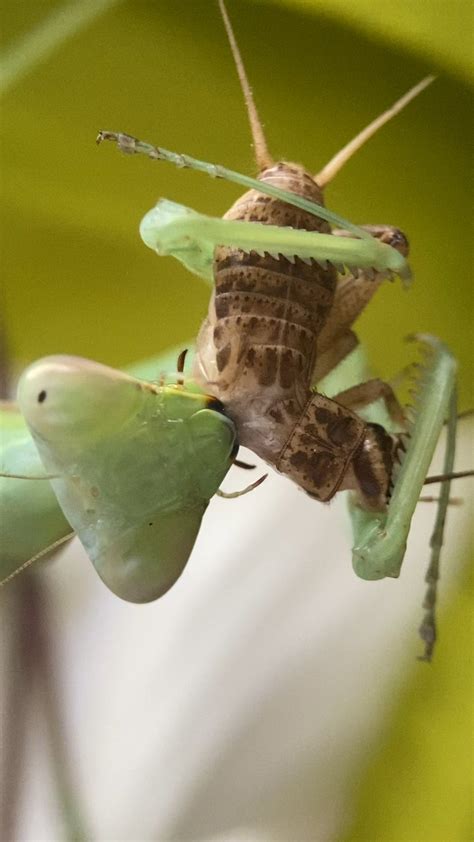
(275, 327)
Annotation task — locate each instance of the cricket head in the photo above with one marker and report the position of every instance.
(294, 178)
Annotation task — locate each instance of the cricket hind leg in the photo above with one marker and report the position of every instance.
(363, 394)
(372, 466)
(353, 293)
(333, 354)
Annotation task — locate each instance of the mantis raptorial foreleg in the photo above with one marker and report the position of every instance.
(133, 146)
(172, 229)
(380, 539)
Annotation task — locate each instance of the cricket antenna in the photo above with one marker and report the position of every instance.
(337, 162)
(262, 155)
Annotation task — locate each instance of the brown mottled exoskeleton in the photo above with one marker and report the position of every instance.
(277, 326)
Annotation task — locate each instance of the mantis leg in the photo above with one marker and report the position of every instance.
(428, 627)
(383, 255)
(380, 540)
(132, 146)
(42, 554)
(192, 237)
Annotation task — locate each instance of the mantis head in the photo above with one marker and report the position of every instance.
(134, 466)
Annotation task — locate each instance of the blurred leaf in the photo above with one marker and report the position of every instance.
(418, 784)
(440, 30)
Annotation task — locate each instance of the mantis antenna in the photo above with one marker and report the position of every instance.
(336, 163)
(9, 475)
(262, 155)
(42, 553)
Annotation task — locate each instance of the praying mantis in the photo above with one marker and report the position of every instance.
(361, 251)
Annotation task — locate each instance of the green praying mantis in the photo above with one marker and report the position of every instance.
(112, 461)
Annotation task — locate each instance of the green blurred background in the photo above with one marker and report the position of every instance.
(78, 280)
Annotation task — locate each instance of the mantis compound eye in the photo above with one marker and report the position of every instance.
(61, 396)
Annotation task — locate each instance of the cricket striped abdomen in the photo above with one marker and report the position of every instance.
(268, 310)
